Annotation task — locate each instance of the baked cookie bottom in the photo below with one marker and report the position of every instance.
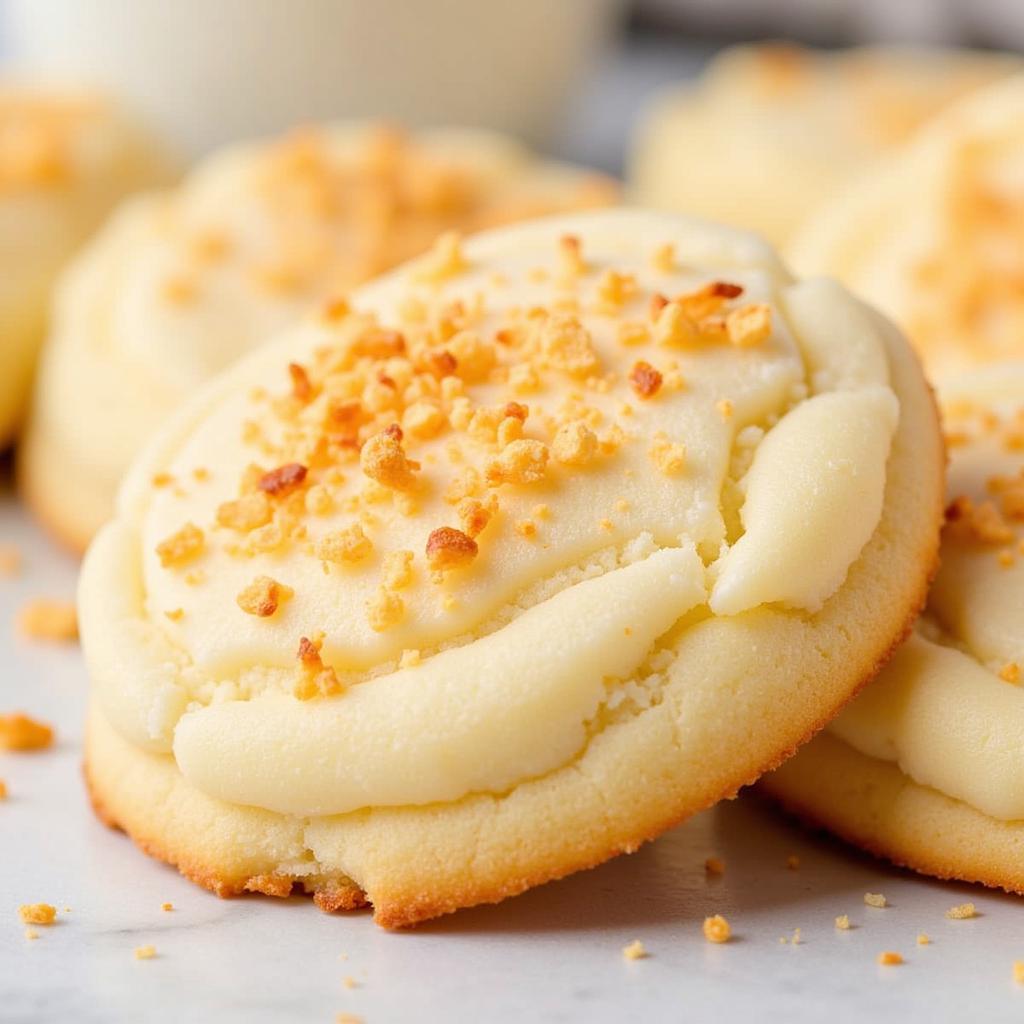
(873, 805)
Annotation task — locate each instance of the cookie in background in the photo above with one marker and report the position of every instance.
(925, 767)
(180, 284)
(935, 237)
(66, 157)
(537, 546)
(771, 131)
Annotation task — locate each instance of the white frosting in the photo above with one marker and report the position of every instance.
(520, 645)
(940, 709)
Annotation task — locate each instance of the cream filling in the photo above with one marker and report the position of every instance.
(517, 702)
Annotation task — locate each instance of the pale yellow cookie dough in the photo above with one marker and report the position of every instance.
(935, 236)
(771, 131)
(181, 284)
(65, 158)
(541, 544)
(925, 766)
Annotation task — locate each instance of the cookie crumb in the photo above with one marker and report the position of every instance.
(348, 1018)
(923, 939)
(714, 866)
(716, 929)
(961, 912)
(47, 619)
(349, 982)
(843, 922)
(1010, 673)
(3, 790)
(875, 899)
(145, 952)
(889, 959)
(37, 913)
(635, 951)
(31, 933)
(166, 906)
(792, 862)
(19, 732)
(1018, 971)
(10, 560)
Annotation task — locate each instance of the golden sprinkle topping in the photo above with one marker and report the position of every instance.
(444, 260)
(645, 379)
(315, 678)
(564, 344)
(344, 547)
(448, 548)
(574, 444)
(263, 597)
(384, 610)
(383, 459)
(716, 929)
(181, 547)
(668, 456)
(246, 513)
(749, 325)
(284, 480)
(521, 462)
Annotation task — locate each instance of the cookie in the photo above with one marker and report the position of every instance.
(542, 544)
(179, 285)
(933, 237)
(924, 767)
(65, 159)
(771, 131)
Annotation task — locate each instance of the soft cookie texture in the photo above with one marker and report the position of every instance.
(180, 284)
(535, 547)
(935, 236)
(65, 159)
(925, 766)
(771, 131)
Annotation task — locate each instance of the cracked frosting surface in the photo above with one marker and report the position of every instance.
(948, 709)
(428, 542)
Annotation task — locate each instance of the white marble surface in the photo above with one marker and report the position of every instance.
(551, 955)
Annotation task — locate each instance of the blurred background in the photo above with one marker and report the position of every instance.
(568, 76)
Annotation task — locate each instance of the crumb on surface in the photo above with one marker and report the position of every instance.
(449, 548)
(348, 1018)
(48, 619)
(19, 732)
(923, 939)
(10, 560)
(961, 912)
(349, 982)
(1018, 971)
(1010, 673)
(166, 906)
(145, 952)
(792, 862)
(875, 899)
(635, 951)
(717, 929)
(181, 547)
(714, 866)
(843, 922)
(263, 596)
(37, 913)
(889, 958)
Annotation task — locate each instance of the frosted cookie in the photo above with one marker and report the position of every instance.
(179, 285)
(537, 547)
(924, 768)
(771, 131)
(935, 238)
(65, 159)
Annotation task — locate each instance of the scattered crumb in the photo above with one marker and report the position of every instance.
(349, 982)
(792, 862)
(166, 906)
(716, 929)
(46, 619)
(19, 732)
(3, 790)
(635, 951)
(37, 913)
(145, 952)
(843, 922)
(410, 658)
(10, 560)
(875, 899)
(961, 912)
(348, 1018)
(31, 933)
(714, 866)
(1018, 971)
(923, 940)
(889, 959)
(1010, 672)
(796, 937)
